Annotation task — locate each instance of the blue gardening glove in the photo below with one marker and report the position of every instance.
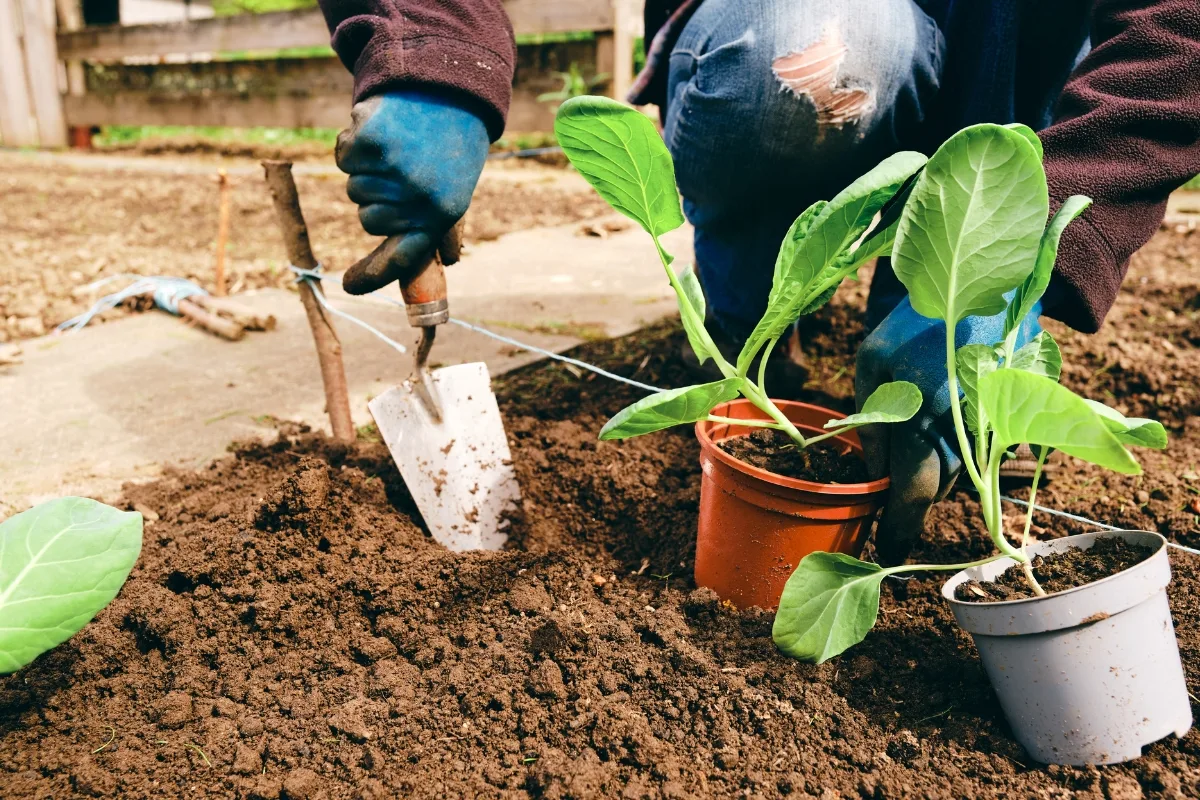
(921, 455)
(413, 158)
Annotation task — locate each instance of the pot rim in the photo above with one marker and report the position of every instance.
(957, 578)
(703, 433)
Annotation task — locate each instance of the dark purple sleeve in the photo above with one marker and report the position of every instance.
(1127, 134)
(462, 46)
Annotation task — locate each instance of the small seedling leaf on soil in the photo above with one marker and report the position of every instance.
(61, 562)
(891, 402)
(666, 409)
(961, 244)
(1133, 431)
(694, 295)
(1040, 355)
(1034, 286)
(974, 361)
(620, 153)
(829, 604)
(1027, 408)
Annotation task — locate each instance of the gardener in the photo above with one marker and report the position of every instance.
(769, 105)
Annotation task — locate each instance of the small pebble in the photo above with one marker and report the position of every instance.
(1143, 497)
(599, 580)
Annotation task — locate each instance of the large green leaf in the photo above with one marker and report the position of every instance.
(1040, 355)
(897, 401)
(972, 362)
(792, 265)
(665, 409)
(1029, 134)
(619, 151)
(60, 564)
(1026, 408)
(829, 604)
(1133, 431)
(1034, 285)
(693, 295)
(848, 215)
(970, 231)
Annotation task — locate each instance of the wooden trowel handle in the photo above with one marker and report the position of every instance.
(420, 286)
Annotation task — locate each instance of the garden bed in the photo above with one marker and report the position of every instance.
(291, 632)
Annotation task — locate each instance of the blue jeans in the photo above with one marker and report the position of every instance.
(774, 104)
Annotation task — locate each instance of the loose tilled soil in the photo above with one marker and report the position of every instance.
(775, 452)
(67, 223)
(1058, 572)
(291, 632)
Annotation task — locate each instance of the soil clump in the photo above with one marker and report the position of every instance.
(1058, 572)
(775, 452)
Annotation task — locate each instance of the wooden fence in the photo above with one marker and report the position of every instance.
(181, 73)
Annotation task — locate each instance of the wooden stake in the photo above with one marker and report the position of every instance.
(222, 229)
(329, 349)
(225, 328)
(243, 316)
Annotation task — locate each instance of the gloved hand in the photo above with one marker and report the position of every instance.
(922, 454)
(413, 157)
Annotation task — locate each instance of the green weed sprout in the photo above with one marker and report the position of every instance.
(972, 230)
(620, 153)
(61, 562)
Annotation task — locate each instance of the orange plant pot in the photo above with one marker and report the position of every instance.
(755, 526)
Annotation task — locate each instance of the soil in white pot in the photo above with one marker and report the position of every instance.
(1058, 572)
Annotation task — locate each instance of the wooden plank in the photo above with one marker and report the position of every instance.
(16, 110)
(625, 31)
(41, 65)
(304, 28)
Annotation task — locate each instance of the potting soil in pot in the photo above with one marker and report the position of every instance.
(774, 451)
(291, 632)
(1058, 572)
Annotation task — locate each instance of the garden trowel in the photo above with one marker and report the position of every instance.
(443, 426)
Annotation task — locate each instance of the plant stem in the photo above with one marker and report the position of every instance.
(941, 567)
(768, 407)
(964, 444)
(762, 366)
(993, 517)
(831, 434)
(1028, 565)
(749, 423)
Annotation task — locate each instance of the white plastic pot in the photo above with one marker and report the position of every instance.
(1089, 675)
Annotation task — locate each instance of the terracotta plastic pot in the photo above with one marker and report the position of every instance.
(1090, 675)
(755, 526)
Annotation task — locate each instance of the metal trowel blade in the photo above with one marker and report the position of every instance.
(459, 470)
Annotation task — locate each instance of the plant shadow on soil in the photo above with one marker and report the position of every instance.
(291, 632)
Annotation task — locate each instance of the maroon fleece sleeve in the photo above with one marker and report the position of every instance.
(1127, 134)
(463, 46)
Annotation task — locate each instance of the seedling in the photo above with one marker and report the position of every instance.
(60, 563)
(619, 152)
(972, 232)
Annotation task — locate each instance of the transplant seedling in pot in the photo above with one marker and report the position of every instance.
(1087, 675)
(619, 151)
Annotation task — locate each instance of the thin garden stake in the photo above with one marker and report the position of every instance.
(222, 230)
(329, 349)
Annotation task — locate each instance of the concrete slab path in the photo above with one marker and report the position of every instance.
(85, 412)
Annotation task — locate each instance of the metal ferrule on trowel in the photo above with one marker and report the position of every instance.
(425, 299)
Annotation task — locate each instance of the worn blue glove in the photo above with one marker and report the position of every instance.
(921, 455)
(413, 158)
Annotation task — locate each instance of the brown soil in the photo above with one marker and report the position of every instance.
(65, 224)
(290, 631)
(1058, 572)
(775, 452)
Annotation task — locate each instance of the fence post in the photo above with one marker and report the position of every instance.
(70, 15)
(614, 49)
(16, 112)
(41, 69)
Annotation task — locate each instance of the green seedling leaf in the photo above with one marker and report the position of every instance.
(829, 604)
(693, 295)
(1026, 408)
(1029, 135)
(665, 409)
(1034, 285)
(618, 150)
(897, 401)
(1040, 355)
(973, 361)
(791, 264)
(60, 564)
(1131, 431)
(970, 231)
